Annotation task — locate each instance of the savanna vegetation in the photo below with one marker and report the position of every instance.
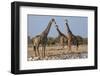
(55, 41)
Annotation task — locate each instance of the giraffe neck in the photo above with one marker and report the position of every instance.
(60, 33)
(46, 31)
(68, 29)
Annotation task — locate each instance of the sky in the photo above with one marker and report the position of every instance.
(37, 24)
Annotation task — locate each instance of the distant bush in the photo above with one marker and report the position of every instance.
(29, 40)
(56, 40)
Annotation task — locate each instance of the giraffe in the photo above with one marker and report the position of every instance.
(72, 39)
(42, 39)
(61, 36)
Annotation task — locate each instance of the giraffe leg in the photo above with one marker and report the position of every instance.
(34, 49)
(77, 48)
(38, 52)
(77, 45)
(63, 45)
(69, 45)
(44, 51)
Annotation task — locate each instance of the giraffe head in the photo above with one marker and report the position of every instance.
(53, 21)
(66, 21)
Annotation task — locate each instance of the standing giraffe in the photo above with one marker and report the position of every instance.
(72, 39)
(61, 36)
(42, 39)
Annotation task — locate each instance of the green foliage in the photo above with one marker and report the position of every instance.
(51, 41)
(82, 40)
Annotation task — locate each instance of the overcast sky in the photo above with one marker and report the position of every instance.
(38, 23)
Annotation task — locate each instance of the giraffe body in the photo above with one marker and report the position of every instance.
(42, 39)
(61, 36)
(71, 38)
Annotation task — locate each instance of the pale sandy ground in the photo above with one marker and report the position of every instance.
(56, 53)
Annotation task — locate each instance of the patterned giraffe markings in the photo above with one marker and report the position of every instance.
(42, 39)
(71, 37)
(62, 37)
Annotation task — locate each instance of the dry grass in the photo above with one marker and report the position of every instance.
(56, 52)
